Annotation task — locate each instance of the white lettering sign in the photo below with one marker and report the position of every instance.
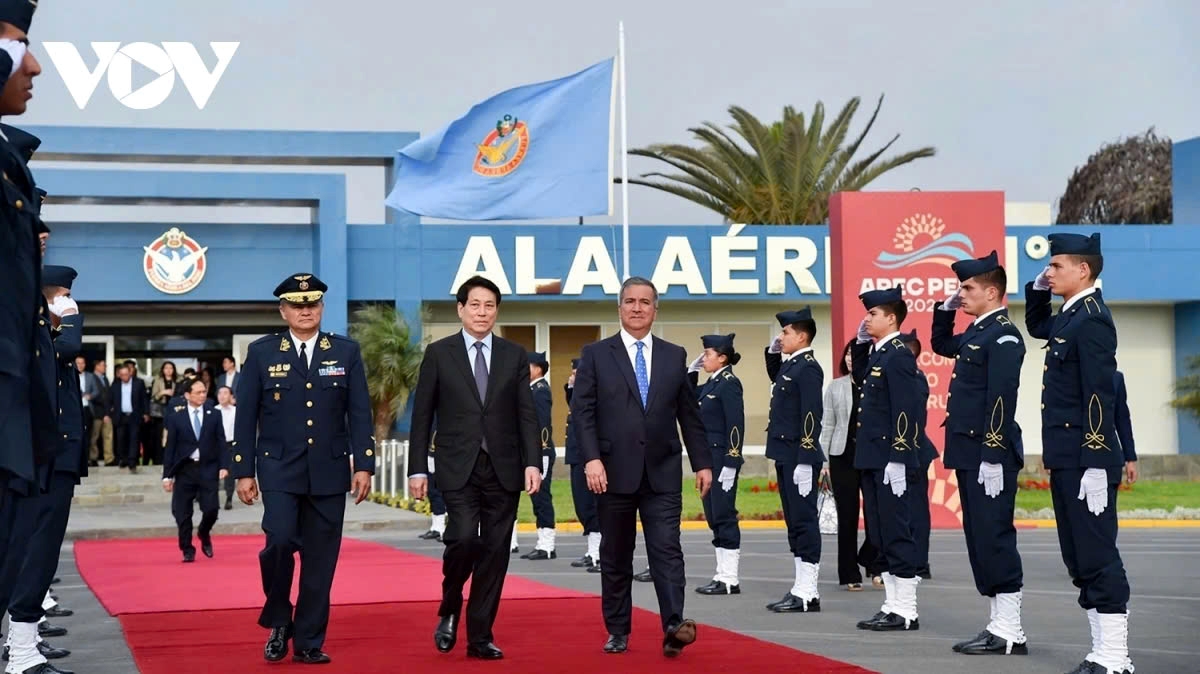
(117, 62)
(678, 249)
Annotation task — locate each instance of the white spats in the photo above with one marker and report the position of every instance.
(1113, 650)
(545, 540)
(889, 592)
(438, 523)
(594, 546)
(904, 602)
(727, 566)
(22, 648)
(1006, 618)
(513, 545)
(720, 553)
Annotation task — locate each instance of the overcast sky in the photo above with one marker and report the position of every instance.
(1013, 95)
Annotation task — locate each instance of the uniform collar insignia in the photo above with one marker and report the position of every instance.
(285, 345)
(324, 343)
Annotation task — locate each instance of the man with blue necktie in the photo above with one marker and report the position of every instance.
(194, 461)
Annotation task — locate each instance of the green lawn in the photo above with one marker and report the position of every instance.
(1139, 495)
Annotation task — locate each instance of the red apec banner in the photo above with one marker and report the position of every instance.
(910, 239)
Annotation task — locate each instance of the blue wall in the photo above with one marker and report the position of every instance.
(1185, 182)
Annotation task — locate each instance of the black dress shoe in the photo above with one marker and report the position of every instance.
(643, 577)
(57, 611)
(311, 656)
(514, 550)
(786, 597)
(56, 581)
(987, 643)
(538, 555)
(617, 643)
(716, 587)
(486, 651)
(229, 505)
(206, 548)
(679, 636)
(793, 604)
(1089, 667)
(446, 634)
(47, 630)
(894, 623)
(866, 624)
(276, 648)
(47, 668)
(430, 535)
(594, 569)
(189, 556)
(583, 562)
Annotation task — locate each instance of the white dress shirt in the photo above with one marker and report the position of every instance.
(487, 349)
(979, 319)
(83, 388)
(127, 397)
(191, 412)
(228, 414)
(631, 349)
(1078, 297)
(228, 376)
(886, 338)
(311, 343)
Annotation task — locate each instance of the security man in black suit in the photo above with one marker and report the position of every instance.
(1125, 428)
(584, 499)
(543, 503)
(926, 453)
(722, 409)
(888, 440)
(983, 442)
(194, 461)
(793, 443)
(1079, 438)
(303, 415)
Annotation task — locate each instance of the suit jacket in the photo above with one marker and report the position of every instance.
(138, 396)
(182, 441)
(635, 441)
(219, 381)
(91, 387)
(1123, 422)
(297, 432)
(507, 418)
(102, 400)
(835, 417)
(70, 456)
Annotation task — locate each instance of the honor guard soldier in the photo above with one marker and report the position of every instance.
(1079, 440)
(437, 504)
(543, 503)
(723, 413)
(888, 442)
(983, 443)
(793, 442)
(581, 496)
(926, 453)
(304, 418)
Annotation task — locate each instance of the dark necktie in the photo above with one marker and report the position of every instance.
(481, 372)
(303, 359)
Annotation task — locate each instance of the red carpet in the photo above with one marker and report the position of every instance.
(547, 635)
(145, 575)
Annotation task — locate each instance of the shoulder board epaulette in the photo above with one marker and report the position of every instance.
(727, 375)
(897, 343)
(809, 358)
(1091, 304)
(1003, 320)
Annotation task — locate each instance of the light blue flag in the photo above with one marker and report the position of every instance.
(536, 151)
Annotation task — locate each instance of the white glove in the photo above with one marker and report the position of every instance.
(726, 478)
(545, 466)
(1094, 486)
(776, 345)
(953, 302)
(894, 475)
(697, 364)
(991, 476)
(1041, 282)
(63, 306)
(863, 335)
(802, 476)
(17, 51)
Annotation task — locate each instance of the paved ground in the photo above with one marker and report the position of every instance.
(1161, 563)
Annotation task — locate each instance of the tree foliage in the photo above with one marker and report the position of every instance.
(779, 174)
(392, 360)
(1187, 389)
(1123, 183)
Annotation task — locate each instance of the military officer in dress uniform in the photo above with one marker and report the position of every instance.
(543, 503)
(888, 442)
(1079, 440)
(926, 453)
(583, 498)
(303, 392)
(793, 442)
(983, 442)
(722, 411)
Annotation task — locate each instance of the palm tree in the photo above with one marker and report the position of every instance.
(786, 175)
(392, 359)
(1187, 389)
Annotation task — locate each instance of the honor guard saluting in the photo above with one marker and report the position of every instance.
(583, 498)
(543, 503)
(888, 440)
(926, 453)
(983, 443)
(723, 414)
(304, 393)
(793, 442)
(1079, 441)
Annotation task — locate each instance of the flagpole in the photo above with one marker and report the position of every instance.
(624, 153)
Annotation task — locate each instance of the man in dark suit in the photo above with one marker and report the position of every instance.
(303, 415)
(193, 462)
(127, 406)
(477, 385)
(630, 390)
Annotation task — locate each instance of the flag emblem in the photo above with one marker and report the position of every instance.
(503, 149)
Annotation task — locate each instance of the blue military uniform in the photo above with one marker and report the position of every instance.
(1123, 423)
(794, 444)
(981, 429)
(1080, 443)
(888, 442)
(543, 501)
(582, 497)
(722, 409)
(926, 453)
(300, 422)
(437, 504)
